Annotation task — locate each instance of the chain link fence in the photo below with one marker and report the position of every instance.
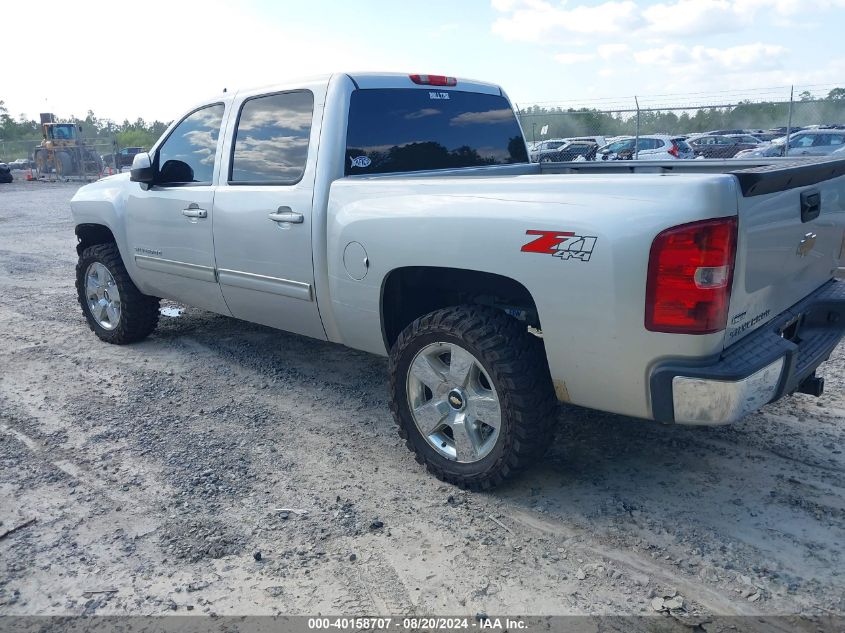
(87, 160)
(768, 123)
(648, 128)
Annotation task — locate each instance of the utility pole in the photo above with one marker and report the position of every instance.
(789, 122)
(637, 141)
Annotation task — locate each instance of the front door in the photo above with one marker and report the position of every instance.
(262, 215)
(169, 225)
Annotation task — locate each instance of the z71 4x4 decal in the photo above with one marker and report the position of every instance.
(563, 244)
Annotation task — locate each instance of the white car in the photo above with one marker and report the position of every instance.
(649, 147)
(818, 142)
(767, 150)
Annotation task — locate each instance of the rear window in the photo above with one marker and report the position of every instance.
(682, 144)
(395, 130)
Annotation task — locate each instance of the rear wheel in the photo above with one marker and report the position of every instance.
(471, 395)
(93, 162)
(115, 309)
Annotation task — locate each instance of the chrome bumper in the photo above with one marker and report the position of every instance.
(702, 401)
(779, 358)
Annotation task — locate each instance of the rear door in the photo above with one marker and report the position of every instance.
(790, 243)
(827, 143)
(263, 212)
(652, 148)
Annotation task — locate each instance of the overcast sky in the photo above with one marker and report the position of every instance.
(153, 58)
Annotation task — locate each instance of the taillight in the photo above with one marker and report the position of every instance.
(690, 271)
(675, 151)
(433, 80)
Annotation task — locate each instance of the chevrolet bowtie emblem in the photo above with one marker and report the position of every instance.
(806, 244)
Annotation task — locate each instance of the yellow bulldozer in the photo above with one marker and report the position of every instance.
(63, 151)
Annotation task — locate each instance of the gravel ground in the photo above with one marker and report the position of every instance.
(222, 467)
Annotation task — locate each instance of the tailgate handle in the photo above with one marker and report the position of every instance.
(811, 205)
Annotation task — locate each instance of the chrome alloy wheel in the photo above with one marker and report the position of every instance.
(103, 296)
(453, 402)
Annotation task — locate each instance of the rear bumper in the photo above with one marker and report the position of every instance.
(777, 359)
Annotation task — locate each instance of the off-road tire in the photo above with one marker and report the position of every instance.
(42, 162)
(515, 362)
(64, 165)
(139, 312)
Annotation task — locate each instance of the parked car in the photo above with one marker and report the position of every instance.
(723, 132)
(769, 150)
(576, 150)
(768, 137)
(21, 163)
(599, 141)
(5, 173)
(649, 147)
(781, 131)
(547, 147)
(552, 150)
(750, 139)
(124, 157)
(819, 142)
(722, 146)
(495, 286)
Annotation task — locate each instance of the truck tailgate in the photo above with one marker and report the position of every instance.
(791, 238)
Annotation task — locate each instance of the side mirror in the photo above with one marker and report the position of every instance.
(142, 169)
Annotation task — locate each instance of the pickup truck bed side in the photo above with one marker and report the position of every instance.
(481, 224)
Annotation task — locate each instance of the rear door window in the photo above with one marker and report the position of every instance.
(620, 146)
(802, 140)
(396, 130)
(649, 143)
(271, 139)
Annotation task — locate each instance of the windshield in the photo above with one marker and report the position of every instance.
(394, 130)
(67, 131)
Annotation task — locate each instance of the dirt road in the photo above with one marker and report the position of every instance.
(228, 468)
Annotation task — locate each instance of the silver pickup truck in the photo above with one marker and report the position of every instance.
(399, 214)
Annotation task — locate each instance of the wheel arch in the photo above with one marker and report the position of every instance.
(410, 292)
(89, 234)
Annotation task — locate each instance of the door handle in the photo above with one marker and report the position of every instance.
(284, 214)
(194, 211)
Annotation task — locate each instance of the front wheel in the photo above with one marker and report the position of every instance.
(64, 165)
(115, 309)
(471, 395)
